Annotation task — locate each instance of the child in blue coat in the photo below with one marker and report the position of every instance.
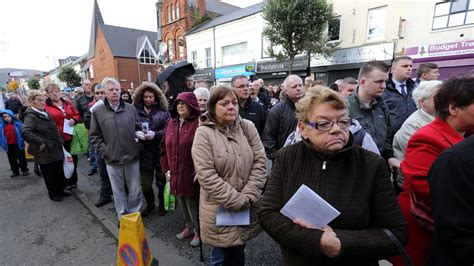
(12, 142)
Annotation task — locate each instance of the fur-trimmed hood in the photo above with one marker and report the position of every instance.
(160, 98)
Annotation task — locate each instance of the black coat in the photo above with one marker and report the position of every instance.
(400, 108)
(281, 121)
(38, 129)
(157, 119)
(356, 182)
(451, 180)
(256, 113)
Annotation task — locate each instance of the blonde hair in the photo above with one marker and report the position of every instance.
(50, 86)
(318, 95)
(32, 94)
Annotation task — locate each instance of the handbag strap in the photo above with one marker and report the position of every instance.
(401, 250)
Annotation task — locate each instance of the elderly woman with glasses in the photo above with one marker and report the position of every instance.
(353, 180)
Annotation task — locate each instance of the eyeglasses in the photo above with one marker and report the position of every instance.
(327, 125)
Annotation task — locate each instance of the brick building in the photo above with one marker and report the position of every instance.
(176, 17)
(128, 55)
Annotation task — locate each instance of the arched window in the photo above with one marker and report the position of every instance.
(169, 14)
(171, 49)
(173, 17)
(177, 10)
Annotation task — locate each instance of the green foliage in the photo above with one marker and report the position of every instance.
(69, 75)
(197, 19)
(297, 26)
(33, 84)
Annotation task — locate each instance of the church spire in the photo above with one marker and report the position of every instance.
(96, 20)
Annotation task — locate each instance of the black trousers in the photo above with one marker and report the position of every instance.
(73, 179)
(17, 159)
(53, 175)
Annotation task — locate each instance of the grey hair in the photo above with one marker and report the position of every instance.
(202, 92)
(349, 80)
(108, 80)
(285, 82)
(425, 90)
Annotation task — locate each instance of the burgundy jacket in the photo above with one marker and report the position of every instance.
(175, 148)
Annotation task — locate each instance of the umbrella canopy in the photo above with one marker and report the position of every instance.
(175, 74)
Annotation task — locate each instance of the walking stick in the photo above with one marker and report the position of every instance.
(201, 258)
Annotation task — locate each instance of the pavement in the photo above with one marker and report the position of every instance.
(37, 231)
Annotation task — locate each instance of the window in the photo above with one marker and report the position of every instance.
(376, 21)
(192, 3)
(169, 14)
(194, 58)
(453, 14)
(333, 29)
(171, 49)
(208, 57)
(234, 54)
(172, 13)
(177, 10)
(146, 56)
(181, 44)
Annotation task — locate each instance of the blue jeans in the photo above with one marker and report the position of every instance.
(228, 256)
(92, 158)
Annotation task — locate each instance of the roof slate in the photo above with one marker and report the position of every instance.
(123, 41)
(244, 12)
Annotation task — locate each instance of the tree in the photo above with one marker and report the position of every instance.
(34, 84)
(297, 26)
(69, 75)
(13, 85)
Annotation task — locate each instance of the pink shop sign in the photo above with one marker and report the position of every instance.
(441, 49)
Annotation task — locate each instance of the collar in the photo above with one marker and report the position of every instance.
(327, 157)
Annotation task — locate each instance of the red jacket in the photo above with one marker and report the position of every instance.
(422, 150)
(58, 115)
(175, 148)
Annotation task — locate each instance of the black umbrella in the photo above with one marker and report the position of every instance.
(175, 74)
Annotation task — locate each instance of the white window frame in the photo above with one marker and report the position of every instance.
(466, 13)
(376, 21)
(208, 53)
(194, 58)
(234, 53)
(339, 33)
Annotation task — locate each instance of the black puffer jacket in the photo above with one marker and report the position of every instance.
(281, 121)
(157, 119)
(38, 129)
(400, 108)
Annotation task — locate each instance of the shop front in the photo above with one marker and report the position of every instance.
(206, 75)
(225, 74)
(452, 58)
(347, 62)
(274, 72)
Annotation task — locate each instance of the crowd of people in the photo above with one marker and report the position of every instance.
(378, 148)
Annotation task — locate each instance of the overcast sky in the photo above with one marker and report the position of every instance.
(35, 33)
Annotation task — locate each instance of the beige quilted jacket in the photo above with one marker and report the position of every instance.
(230, 166)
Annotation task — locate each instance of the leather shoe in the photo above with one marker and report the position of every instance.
(91, 172)
(101, 202)
(15, 174)
(56, 198)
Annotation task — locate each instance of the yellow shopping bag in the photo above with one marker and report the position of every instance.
(133, 247)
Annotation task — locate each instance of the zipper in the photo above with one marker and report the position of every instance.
(324, 165)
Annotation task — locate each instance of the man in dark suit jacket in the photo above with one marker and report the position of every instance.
(451, 181)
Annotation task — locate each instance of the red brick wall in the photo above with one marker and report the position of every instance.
(104, 62)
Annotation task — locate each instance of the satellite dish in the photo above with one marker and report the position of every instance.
(163, 47)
